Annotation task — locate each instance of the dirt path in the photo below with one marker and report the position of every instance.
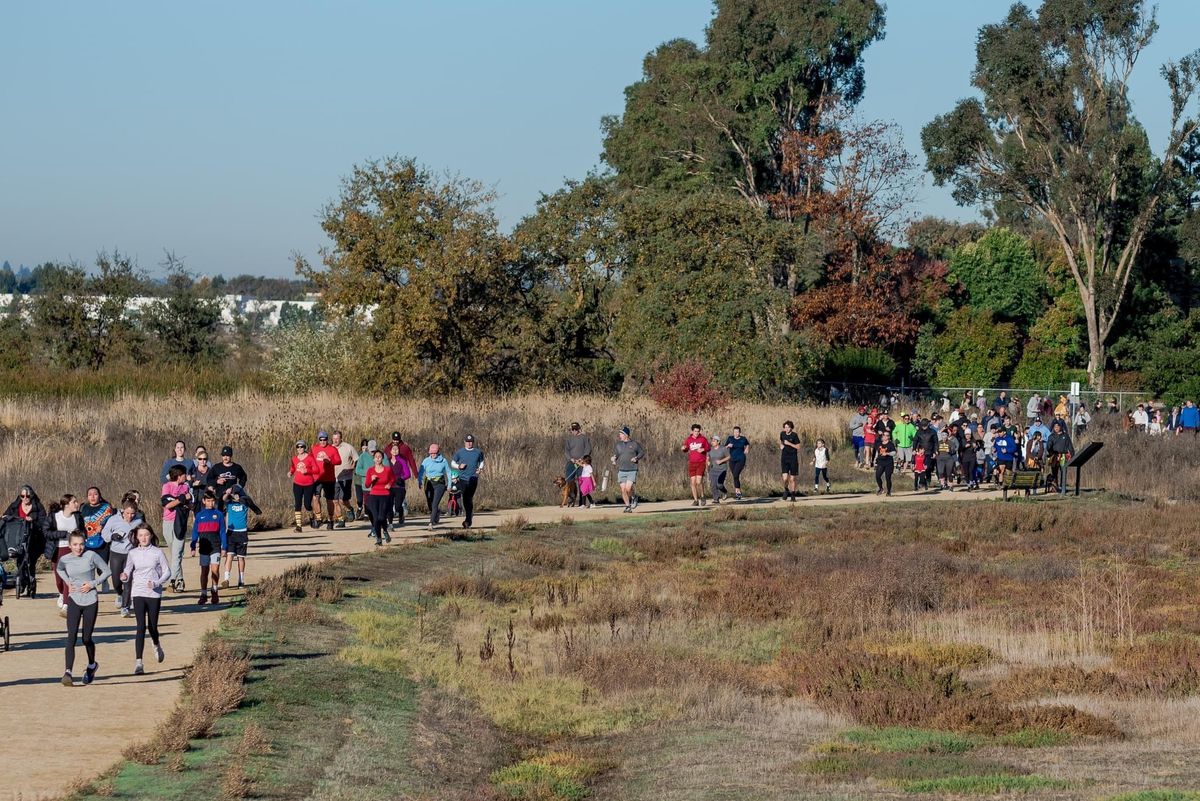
(33, 702)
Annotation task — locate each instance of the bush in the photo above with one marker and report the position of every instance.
(689, 387)
(860, 365)
(971, 350)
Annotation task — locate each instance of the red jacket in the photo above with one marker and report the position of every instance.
(379, 481)
(305, 471)
(332, 459)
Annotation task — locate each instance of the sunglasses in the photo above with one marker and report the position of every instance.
(25, 495)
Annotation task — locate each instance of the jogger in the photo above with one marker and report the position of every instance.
(82, 571)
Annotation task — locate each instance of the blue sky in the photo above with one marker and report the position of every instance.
(218, 130)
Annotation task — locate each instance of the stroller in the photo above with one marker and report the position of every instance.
(16, 543)
(5, 628)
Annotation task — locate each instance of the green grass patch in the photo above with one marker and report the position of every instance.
(983, 785)
(1157, 795)
(857, 766)
(613, 546)
(556, 776)
(899, 739)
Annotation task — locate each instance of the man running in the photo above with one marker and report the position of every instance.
(718, 460)
(903, 435)
(328, 459)
(468, 461)
(227, 475)
(739, 447)
(343, 491)
(627, 454)
(858, 424)
(696, 447)
(789, 459)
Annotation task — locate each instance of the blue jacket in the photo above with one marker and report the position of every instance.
(210, 524)
(435, 467)
(1189, 417)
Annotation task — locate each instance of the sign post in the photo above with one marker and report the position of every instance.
(1080, 459)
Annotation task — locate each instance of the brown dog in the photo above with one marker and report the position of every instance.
(568, 491)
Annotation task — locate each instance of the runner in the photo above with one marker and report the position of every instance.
(328, 459)
(67, 521)
(434, 476)
(789, 459)
(209, 532)
(178, 459)
(718, 460)
(343, 492)
(739, 448)
(820, 463)
(304, 473)
(201, 478)
(146, 573)
(228, 473)
(96, 511)
(575, 448)
(400, 476)
(79, 570)
(238, 505)
(884, 462)
(378, 484)
(903, 435)
(176, 503)
(627, 455)
(468, 461)
(362, 463)
(118, 533)
(407, 454)
(1005, 448)
(696, 448)
(858, 425)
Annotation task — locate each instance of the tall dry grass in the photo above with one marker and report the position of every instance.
(67, 444)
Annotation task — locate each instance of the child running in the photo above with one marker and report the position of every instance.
(78, 570)
(146, 572)
(820, 462)
(587, 482)
(209, 533)
(238, 506)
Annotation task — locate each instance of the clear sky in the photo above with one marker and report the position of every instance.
(218, 130)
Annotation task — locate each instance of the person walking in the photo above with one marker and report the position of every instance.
(179, 458)
(400, 476)
(343, 491)
(67, 520)
(118, 533)
(925, 442)
(739, 449)
(718, 461)
(903, 435)
(468, 461)
(627, 456)
(696, 447)
(176, 504)
(434, 477)
(406, 453)
(211, 535)
(362, 463)
(858, 425)
(820, 463)
(227, 473)
(576, 446)
(96, 511)
(378, 482)
(885, 463)
(1059, 452)
(304, 472)
(28, 507)
(328, 459)
(789, 459)
(145, 573)
(83, 571)
(587, 482)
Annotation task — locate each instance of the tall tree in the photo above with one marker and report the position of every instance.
(424, 260)
(186, 321)
(1055, 134)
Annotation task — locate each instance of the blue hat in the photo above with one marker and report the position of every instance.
(625, 430)
(322, 435)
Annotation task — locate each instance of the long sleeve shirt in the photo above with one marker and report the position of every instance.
(80, 570)
(210, 524)
(117, 533)
(147, 570)
(434, 468)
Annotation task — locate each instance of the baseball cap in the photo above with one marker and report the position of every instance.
(862, 409)
(468, 438)
(301, 443)
(395, 436)
(371, 444)
(227, 451)
(574, 426)
(322, 435)
(624, 430)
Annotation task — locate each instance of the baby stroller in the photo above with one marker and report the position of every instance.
(454, 496)
(16, 543)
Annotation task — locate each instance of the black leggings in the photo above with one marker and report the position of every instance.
(884, 465)
(468, 495)
(76, 613)
(434, 490)
(735, 470)
(302, 497)
(377, 511)
(399, 493)
(116, 563)
(819, 473)
(146, 611)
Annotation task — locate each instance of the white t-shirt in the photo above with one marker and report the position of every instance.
(586, 471)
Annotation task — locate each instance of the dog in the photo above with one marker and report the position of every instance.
(568, 489)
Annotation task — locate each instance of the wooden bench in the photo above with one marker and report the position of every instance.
(1022, 480)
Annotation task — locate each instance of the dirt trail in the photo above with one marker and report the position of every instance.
(109, 714)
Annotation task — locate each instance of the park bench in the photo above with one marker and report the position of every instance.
(1022, 480)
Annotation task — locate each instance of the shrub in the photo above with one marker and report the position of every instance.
(971, 350)
(688, 387)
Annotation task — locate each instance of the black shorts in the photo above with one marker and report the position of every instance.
(239, 548)
(344, 489)
(789, 466)
(327, 489)
(206, 547)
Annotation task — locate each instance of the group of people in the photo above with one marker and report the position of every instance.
(373, 482)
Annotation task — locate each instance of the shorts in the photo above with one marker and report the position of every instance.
(696, 469)
(905, 454)
(207, 559)
(239, 548)
(626, 476)
(343, 489)
(857, 442)
(789, 467)
(326, 489)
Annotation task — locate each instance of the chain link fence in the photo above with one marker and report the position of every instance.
(887, 395)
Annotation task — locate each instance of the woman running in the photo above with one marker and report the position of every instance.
(379, 482)
(66, 520)
(118, 533)
(79, 570)
(304, 473)
(146, 573)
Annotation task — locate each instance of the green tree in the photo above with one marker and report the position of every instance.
(719, 116)
(1055, 135)
(573, 249)
(998, 272)
(694, 289)
(423, 261)
(186, 321)
(972, 350)
(1170, 356)
(938, 238)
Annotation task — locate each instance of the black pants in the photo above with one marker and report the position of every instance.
(399, 493)
(378, 507)
(468, 495)
(884, 467)
(819, 473)
(302, 497)
(434, 490)
(116, 563)
(75, 614)
(358, 493)
(716, 482)
(735, 470)
(945, 468)
(146, 611)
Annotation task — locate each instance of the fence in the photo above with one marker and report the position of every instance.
(888, 394)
